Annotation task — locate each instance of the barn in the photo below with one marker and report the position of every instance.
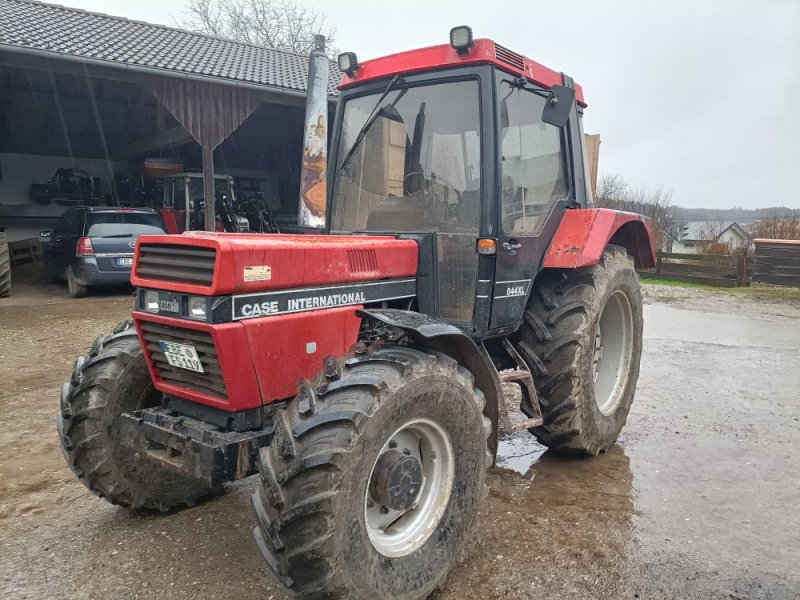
(102, 110)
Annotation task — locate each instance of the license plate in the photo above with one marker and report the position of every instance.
(125, 261)
(182, 356)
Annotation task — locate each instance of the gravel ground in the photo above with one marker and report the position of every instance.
(697, 500)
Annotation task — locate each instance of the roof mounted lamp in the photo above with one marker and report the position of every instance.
(461, 39)
(348, 63)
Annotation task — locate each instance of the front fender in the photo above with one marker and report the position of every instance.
(450, 340)
(584, 233)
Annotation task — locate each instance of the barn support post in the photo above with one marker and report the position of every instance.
(208, 189)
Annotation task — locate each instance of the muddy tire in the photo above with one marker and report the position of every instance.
(5, 266)
(582, 337)
(76, 289)
(318, 525)
(111, 380)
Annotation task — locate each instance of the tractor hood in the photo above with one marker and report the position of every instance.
(214, 264)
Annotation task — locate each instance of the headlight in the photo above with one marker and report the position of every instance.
(150, 301)
(197, 308)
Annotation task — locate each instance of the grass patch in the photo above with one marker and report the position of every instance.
(680, 284)
(768, 292)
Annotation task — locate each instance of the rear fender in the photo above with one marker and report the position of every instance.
(584, 233)
(448, 339)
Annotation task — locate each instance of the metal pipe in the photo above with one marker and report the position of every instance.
(313, 189)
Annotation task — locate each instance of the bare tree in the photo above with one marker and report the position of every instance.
(776, 227)
(271, 23)
(615, 193)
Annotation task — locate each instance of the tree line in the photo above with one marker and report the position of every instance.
(667, 218)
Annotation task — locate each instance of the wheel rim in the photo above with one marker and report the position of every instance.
(612, 352)
(396, 533)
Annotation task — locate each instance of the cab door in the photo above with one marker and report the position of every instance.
(534, 193)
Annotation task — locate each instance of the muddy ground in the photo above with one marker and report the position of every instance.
(699, 499)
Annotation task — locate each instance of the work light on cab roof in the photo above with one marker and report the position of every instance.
(461, 39)
(348, 63)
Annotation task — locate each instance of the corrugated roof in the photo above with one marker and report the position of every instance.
(74, 32)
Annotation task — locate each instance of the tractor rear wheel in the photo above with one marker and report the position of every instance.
(582, 337)
(5, 266)
(371, 485)
(113, 380)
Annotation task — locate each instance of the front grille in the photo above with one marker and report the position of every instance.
(509, 56)
(183, 264)
(209, 382)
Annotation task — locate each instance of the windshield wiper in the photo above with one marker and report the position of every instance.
(116, 235)
(370, 119)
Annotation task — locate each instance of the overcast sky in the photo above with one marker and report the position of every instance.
(690, 96)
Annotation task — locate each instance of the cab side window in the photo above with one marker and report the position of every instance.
(533, 164)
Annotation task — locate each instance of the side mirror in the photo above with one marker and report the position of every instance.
(44, 236)
(504, 120)
(558, 105)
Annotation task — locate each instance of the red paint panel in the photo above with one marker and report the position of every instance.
(583, 235)
(294, 260)
(281, 351)
(231, 343)
(442, 56)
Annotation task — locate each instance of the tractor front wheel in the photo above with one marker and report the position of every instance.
(113, 380)
(371, 485)
(582, 337)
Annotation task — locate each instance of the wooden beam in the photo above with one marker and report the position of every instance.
(208, 189)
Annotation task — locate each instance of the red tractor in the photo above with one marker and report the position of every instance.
(360, 371)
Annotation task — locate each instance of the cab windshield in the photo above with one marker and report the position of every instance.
(416, 168)
(421, 152)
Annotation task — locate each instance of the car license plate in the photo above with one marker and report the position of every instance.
(182, 356)
(125, 261)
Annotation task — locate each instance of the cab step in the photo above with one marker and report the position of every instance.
(523, 377)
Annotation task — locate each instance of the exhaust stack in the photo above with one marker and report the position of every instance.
(313, 187)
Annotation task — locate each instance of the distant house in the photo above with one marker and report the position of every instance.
(692, 237)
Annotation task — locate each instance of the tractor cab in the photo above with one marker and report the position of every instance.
(360, 370)
(477, 153)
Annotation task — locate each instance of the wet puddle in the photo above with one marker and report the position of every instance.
(518, 451)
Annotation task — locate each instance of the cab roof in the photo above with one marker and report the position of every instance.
(484, 51)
